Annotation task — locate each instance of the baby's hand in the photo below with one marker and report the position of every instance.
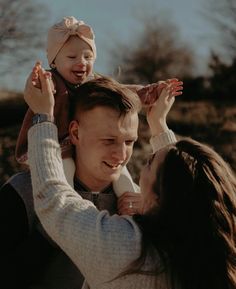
(151, 92)
(35, 77)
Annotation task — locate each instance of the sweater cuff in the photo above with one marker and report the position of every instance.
(163, 139)
(43, 130)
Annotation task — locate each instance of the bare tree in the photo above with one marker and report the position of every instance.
(156, 54)
(222, 13)
(21, 32)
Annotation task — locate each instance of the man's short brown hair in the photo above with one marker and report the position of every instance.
(104, 91)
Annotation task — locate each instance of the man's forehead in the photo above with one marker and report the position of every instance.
(103, 113)
(108, 120)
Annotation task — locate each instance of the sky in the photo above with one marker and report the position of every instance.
(118, 21)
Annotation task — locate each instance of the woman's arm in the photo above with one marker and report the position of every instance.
(161, 135)
(87, 236)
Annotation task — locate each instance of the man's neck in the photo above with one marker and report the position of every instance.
(88, 186)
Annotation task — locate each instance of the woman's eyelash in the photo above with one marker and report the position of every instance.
(149, 161)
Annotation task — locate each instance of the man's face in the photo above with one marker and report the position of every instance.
(104, 144)
(75, 60)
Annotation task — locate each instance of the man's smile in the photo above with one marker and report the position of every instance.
(113, 166)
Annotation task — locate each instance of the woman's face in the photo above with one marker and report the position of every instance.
(148, 177)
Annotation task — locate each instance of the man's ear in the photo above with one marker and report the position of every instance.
(74, 131)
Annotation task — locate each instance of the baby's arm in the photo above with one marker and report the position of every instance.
(134, 87)
(148, 94)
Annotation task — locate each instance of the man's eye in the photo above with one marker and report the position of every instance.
(129, 142)
(108, 141)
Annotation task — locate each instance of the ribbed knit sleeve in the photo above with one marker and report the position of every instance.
(160, 141)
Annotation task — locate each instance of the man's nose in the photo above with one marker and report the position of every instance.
(120, 152)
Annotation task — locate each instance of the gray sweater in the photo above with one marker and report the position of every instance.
(102, 246)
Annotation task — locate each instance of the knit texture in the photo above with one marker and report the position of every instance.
(102, 246)
(162, 140)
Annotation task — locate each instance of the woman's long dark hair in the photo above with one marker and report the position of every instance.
(193, 228)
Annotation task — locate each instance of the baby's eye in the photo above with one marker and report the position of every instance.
(71, 57)
(88, 56)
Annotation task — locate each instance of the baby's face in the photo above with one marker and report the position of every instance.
(75, 60)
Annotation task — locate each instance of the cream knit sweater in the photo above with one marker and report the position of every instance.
(99, 244)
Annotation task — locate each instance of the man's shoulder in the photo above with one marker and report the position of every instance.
(20, 188)
(19, 184)
(14, 217)
(20, 180)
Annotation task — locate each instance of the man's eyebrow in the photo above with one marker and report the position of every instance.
(108, 136)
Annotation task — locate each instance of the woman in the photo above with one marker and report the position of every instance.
(192, 223)
(185, 237)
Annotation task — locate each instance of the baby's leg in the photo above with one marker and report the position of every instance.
(125, 183)
(69, 170)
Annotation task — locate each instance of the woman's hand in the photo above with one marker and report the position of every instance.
(35, 77)
(157, 113)
(40, 100)
(130, 203)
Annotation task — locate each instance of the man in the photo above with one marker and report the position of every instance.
(103, 146)
(103, 131)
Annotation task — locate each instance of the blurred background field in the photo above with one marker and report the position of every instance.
(194, 41)
(211, 122)
(205, 121)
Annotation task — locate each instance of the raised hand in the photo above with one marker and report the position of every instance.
(40, 100)
(151, 92)
(35, 76)
(157, 112)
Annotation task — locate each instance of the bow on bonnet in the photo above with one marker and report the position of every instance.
(59, 33)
